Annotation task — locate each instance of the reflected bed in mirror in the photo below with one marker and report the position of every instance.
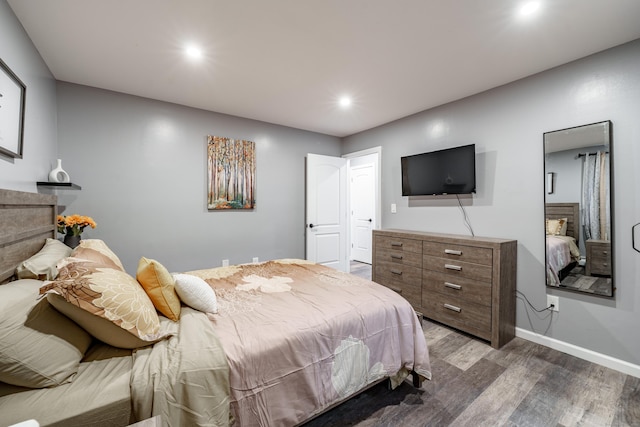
(578, 220)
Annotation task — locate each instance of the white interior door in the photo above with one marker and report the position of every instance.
(362, 211)
(326, 222)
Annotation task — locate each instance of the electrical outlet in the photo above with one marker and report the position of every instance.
(553, 300)
(255, 260)
(393, 208)
(225, 263)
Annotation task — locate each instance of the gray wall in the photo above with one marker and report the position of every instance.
(40, 135)
(142, 167)
(507, 124)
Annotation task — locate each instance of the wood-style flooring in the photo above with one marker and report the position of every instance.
(522, 384)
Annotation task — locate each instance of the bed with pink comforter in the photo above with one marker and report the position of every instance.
(561, 251)
(300, 336)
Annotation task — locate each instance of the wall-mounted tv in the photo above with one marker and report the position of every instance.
(449, 171)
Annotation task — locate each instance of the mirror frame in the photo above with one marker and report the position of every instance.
(549, 187)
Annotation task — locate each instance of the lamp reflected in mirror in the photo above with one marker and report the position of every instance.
(578, 220)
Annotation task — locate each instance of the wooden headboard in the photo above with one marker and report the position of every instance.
(26, 220)
(571, 211)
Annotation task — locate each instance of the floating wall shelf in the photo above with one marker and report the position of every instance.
(61, 185)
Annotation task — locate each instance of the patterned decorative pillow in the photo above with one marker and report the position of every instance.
(159, 286)
(556, 227)
(104, 329)
(196, 293)
(43, 264)
(39, 347)
(108, 293)
(98, 251)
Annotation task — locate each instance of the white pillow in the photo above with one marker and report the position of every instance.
(196, 293)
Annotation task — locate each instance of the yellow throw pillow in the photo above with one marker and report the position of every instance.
(159, 284)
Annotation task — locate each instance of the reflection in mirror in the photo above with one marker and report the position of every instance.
(578, 221)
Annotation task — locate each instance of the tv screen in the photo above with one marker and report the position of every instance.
(449, 171)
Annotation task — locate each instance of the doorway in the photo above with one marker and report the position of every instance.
(343, 206)
(364, 202)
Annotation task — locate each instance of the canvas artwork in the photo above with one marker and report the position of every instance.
(12, 95)
(231, 173)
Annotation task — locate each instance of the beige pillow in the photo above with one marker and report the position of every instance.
(108, 293)
(43, 264)
(159, 286)
(556, 227)
(96, 250)
(39, 347)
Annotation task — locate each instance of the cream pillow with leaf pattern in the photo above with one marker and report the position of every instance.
(111, 294)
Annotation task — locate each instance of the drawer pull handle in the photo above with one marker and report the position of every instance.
(396, 290)
(398, 272)
(452, 252)
(452, 286)
(396, 244)
(452, 308)
(394, 256)
(604, 252)
(453, 267)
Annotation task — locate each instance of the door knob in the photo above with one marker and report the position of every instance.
(370, 220)
(310, 225)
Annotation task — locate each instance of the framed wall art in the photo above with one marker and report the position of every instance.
(231, 173)
(12, 96)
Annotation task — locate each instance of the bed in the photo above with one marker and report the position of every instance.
(562, 225)
(275, 343)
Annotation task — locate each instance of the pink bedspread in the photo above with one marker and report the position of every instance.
(300, 336)
(561, 251)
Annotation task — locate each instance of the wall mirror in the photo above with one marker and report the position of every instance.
(578, 220)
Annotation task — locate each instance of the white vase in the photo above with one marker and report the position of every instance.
(58, 174)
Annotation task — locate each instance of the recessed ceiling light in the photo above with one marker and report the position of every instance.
(193, 52)
(529, 8)
(345, 102)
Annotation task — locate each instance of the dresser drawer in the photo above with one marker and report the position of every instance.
(399, 257)
(598, 257)
(456, 268)
(399, 272)
(405, 284)
(463, 253)
(458, 287)
(464, 315)
(600, 267)
(398, 244)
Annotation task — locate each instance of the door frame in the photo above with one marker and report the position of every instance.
(378, 190)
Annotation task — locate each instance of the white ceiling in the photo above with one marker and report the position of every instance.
(288, 61)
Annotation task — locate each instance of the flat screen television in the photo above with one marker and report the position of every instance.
(449, 171)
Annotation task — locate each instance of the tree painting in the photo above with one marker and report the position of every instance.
(231, 173)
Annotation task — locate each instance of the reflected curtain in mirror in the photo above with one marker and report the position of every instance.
(596, 215)
(578, 221)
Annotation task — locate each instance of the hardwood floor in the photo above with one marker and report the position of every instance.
(522, 384)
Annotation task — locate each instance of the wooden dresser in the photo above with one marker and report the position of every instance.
(468, 283)
(598, 257)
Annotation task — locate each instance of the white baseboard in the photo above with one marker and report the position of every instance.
(582, 353)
